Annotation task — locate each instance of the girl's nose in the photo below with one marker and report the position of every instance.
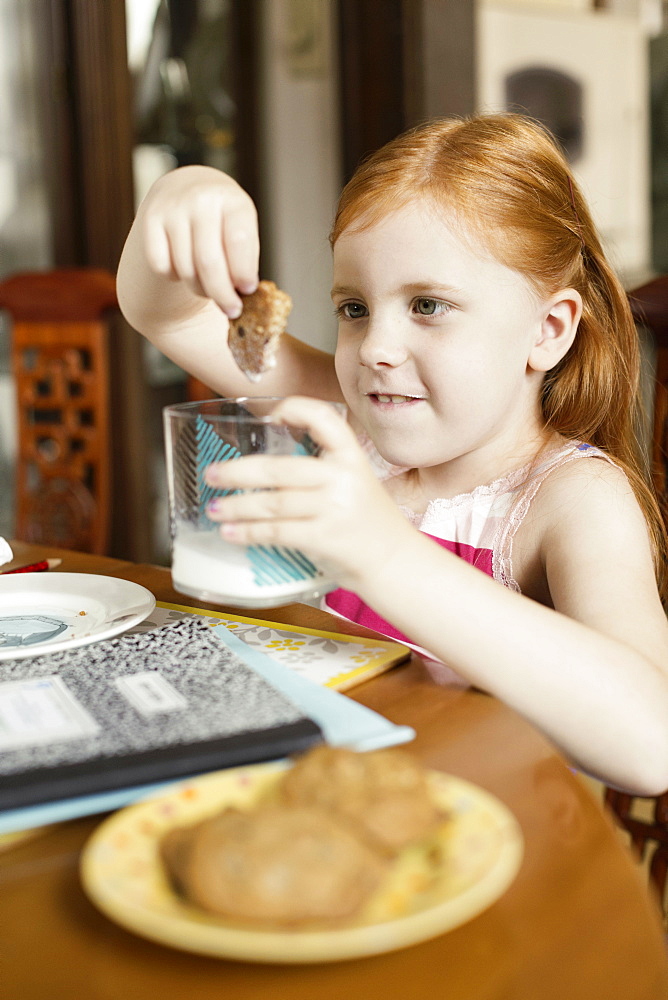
(382, 345)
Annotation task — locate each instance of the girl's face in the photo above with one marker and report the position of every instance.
(433, 349)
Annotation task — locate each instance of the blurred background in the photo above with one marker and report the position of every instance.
(99, 99)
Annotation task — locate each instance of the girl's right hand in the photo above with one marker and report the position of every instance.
(200, 227)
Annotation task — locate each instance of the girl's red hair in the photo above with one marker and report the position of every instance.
(503, 177)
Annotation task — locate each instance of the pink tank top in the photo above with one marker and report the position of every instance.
(479, 527)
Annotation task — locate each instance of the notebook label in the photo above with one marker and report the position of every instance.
(41, 710)
(150, 693)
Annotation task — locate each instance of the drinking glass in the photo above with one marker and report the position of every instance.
(204, 565)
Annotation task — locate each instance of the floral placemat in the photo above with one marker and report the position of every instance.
(328, 658)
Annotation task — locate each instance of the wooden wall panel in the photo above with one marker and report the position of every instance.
(87, 120)
(402, 61)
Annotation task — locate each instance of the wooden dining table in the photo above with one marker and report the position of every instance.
(578, 921)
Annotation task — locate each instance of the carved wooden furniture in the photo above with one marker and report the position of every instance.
(61, 370)
(648, 830)
(646, 820)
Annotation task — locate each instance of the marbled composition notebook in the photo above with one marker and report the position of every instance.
(141, 708)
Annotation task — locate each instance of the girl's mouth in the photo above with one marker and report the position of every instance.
(395, 399)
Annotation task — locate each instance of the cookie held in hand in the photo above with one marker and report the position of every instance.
(253, 337)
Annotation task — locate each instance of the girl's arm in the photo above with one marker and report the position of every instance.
(593, 675)
(192, 249)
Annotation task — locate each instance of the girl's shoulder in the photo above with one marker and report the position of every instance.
(578, 465)
(582, 530)
(586, 489)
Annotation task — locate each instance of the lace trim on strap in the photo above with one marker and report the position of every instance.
(498, 487)
(502, 549)
(440, 507)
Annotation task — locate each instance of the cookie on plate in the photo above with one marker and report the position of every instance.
(274, 863)
(383, 795)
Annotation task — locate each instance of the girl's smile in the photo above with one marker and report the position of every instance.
(383, 399)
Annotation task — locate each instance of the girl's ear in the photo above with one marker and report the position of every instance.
(557, 331)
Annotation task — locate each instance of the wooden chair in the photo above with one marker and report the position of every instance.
(646, 820)
(61, 371)
(649, 305)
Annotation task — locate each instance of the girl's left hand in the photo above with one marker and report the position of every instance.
(332, 507)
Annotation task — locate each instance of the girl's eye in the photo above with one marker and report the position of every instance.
(430, 307)
(351, 310)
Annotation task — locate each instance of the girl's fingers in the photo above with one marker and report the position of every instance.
(290, 534)
(265, 472)
(206, 236)
(282, 505)
(291, 500)
(211, 264)
(157, 248)
(181, 251)
(324, 422)
(241, 243)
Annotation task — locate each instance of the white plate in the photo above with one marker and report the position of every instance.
(47, 612)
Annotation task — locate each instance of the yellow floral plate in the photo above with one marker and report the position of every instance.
(480, 847)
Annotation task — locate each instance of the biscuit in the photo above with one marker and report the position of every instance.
(175, 852)
(278, 864)
(318, 845)
(384, 796)
(253, 337)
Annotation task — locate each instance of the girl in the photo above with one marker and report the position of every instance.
(489, 364)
